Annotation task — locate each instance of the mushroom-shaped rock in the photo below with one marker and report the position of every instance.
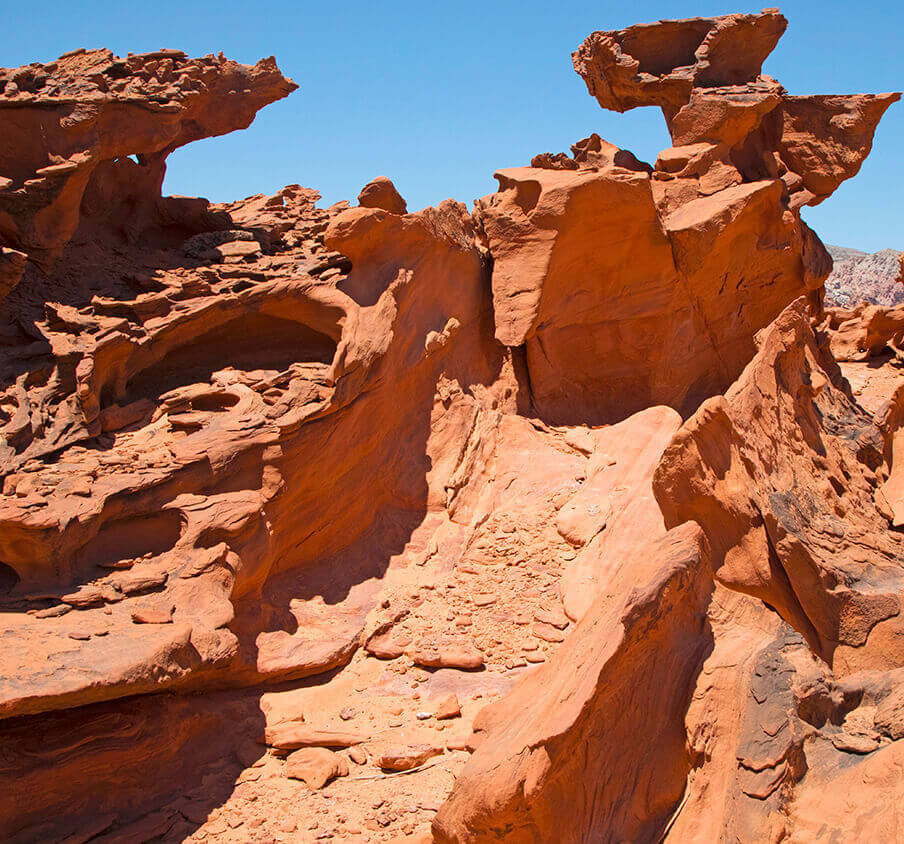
(659, 303)
(661, 63)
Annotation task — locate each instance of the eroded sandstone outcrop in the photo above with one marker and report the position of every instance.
(794, 643)
(637, 654)
(289, 493)
(658, 302)
(87, 136)
(819, 553)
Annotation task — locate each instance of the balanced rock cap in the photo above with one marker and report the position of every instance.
(382, 193)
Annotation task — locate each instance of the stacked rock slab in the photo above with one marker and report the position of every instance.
(628, 286)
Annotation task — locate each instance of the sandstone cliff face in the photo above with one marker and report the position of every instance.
(289, 493)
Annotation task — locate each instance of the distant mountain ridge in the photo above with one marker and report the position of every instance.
(864, 277)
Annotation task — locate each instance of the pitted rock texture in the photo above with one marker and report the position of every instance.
(800, 547)
(86, 139)
(662, 63)
(288, 493)
(727, 120)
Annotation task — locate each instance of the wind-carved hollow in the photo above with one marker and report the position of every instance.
(674, 45)
(214, 401)
(528, 195)
(131, 537)
(248, 343)
(9, 579)
(823, 704)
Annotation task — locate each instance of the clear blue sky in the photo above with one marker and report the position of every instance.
(439, 95)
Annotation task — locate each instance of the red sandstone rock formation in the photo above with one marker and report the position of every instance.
(857, 334)
(780, 473)
(87, 136)
(658, 303)
(544, 746)
(366, 455)
(381, 193)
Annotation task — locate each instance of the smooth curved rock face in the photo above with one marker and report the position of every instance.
(606, 712)
(614, 301)
(615, 510)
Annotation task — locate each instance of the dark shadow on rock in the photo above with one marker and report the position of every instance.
(99, 769)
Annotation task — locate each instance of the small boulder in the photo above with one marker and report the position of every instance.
(547, 632)
(404, 757)
(357, 754)
(453, 654)
(849, 743)
(202, 245)
(449, 708)
(293, 735)
(250, 753)
(554, 616)
(115, 417)
(150, 615)
(382, 193)
(238, 249)
(315, 766)
(553, 161)
(384, 646)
